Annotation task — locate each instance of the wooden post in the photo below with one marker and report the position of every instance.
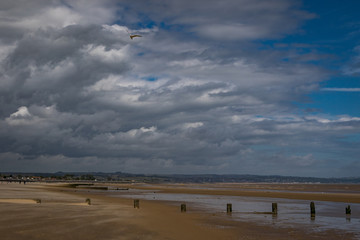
(136, 203)
(348, 210)
(229, 208)
(312, 209)
(183, 207)
(274, 208)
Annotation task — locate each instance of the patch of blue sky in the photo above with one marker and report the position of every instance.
(150, 78)
(333, 21)
(340, 96)
(334, 103)
(143, 21)
(146, 23)
(333, 34)
(344, 81)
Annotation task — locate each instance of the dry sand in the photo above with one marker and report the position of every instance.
(20, 201)
(63, 214)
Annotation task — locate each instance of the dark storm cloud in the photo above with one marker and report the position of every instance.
(52, 66)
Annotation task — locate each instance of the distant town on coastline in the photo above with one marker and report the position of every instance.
(120, 177)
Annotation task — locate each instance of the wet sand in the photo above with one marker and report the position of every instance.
(322, 192)
(63, 213)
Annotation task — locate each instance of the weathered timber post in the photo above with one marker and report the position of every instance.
(229, 208)
(274, 208)
(312, 209)
(88, 201)
(136, 203)
(348, 210)
(183, 207)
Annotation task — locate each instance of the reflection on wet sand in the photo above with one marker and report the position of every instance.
(329, 215)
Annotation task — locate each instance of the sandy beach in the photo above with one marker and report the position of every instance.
(64, 214)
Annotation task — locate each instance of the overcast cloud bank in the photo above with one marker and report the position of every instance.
(199, 93)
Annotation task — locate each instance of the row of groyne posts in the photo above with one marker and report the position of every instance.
(274, 206)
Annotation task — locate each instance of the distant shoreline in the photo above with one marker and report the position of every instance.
(120, 177)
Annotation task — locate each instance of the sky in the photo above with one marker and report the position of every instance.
(266, 87)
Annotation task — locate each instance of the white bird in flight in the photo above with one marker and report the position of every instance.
(133, 35)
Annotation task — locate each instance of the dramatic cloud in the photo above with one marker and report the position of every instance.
(198, 93)
(226, 20)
